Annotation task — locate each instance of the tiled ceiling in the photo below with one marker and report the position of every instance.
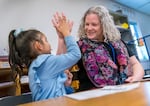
(139, 5)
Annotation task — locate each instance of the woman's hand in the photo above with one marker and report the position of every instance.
(138, 71)
(131, 79)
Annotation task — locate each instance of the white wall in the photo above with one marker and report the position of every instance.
(38, 14)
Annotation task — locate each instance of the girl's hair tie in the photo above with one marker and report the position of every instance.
(17, 32)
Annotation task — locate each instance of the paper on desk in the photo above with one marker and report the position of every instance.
(103, 91)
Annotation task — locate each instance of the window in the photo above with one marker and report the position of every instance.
(137, 40)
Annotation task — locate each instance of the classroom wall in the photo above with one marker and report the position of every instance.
(38, 14)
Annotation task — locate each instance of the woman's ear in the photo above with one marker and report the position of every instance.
(37, 45)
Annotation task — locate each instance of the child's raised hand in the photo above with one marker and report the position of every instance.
(62, 25)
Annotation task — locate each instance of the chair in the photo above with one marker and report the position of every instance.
(16, 100)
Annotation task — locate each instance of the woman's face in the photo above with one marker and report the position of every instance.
(93, 27)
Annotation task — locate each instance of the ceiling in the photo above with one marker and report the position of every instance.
(139, 5)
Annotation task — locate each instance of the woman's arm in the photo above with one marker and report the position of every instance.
(138, 71)
(61, 49)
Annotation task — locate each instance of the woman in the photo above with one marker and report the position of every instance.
(105, 58)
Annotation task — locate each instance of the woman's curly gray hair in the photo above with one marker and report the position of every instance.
(110, 32)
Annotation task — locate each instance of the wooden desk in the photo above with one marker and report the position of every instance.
(136, 97)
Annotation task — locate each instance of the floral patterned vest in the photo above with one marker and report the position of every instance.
(102, 68)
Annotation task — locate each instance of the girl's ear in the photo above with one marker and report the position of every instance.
(37, 45)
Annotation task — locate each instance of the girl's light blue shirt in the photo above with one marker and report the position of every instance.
(46, 72)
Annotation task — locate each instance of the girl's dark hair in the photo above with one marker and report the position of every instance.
(21, 51)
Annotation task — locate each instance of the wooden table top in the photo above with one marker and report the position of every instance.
(137, 97)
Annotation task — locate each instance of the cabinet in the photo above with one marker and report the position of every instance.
(121, 22)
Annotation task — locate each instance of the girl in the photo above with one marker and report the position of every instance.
(30, 48)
